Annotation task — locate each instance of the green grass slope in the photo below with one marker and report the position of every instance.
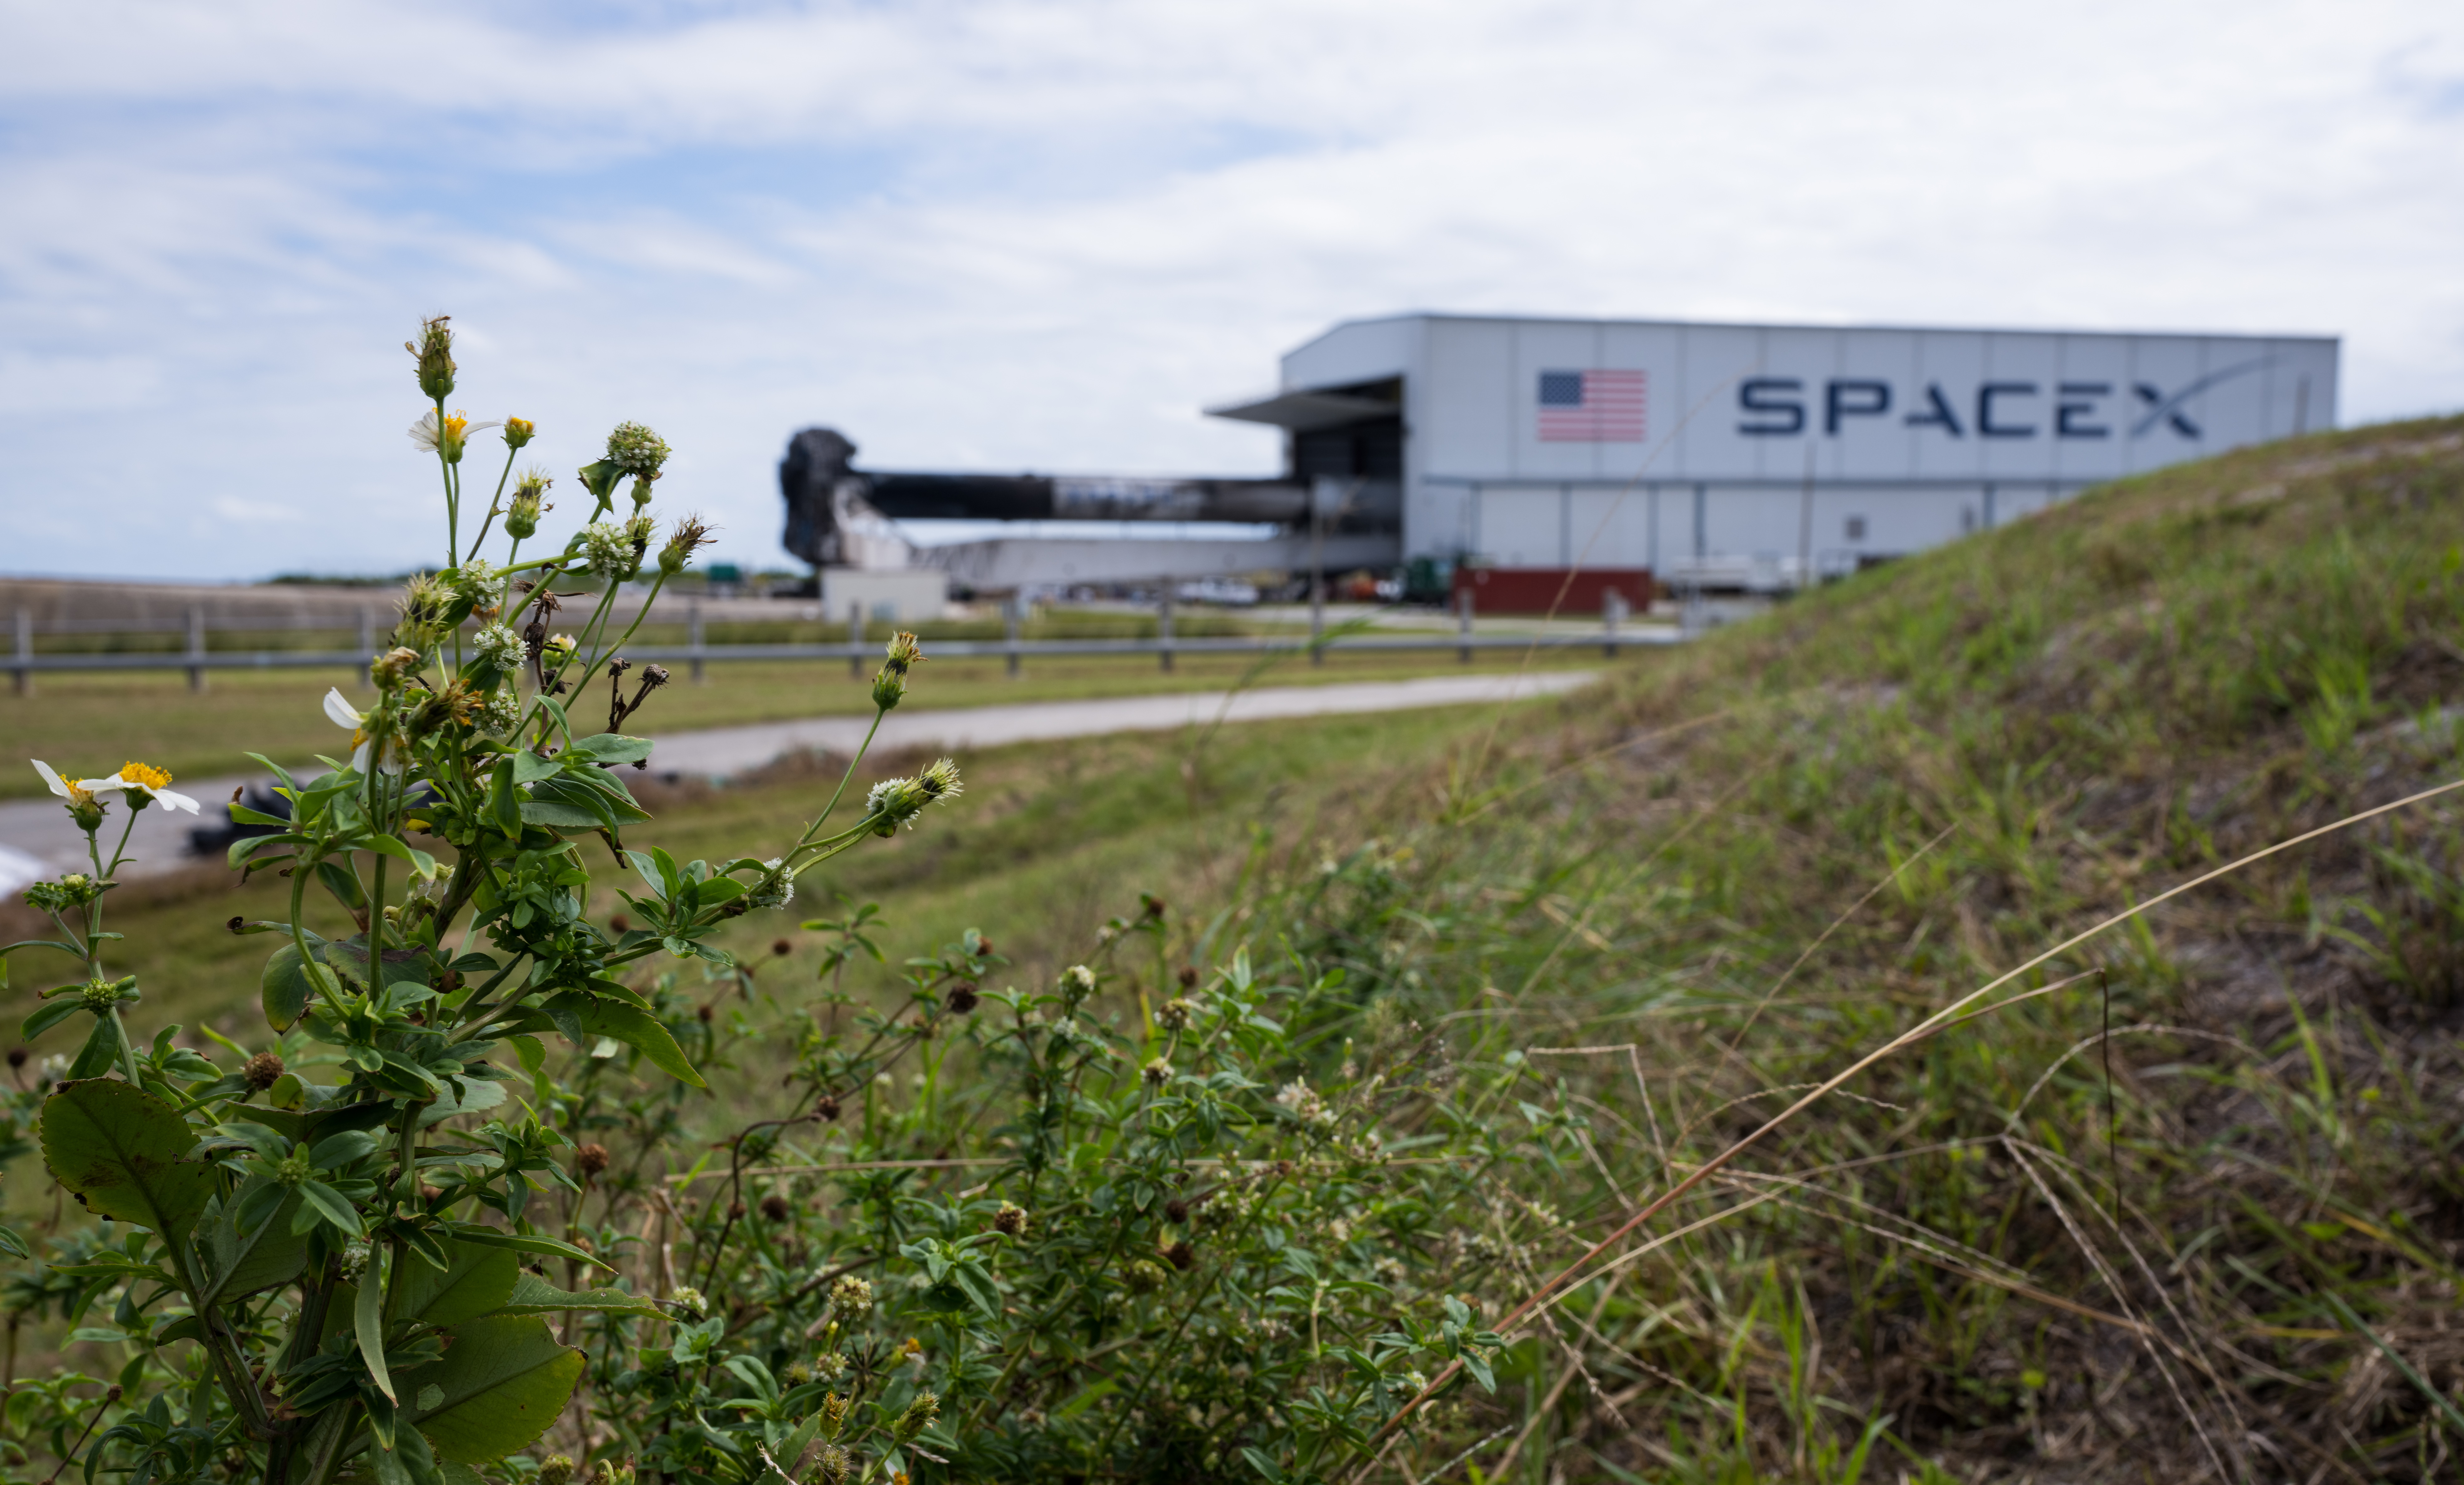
(2221, 1240)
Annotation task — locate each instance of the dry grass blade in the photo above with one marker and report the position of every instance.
(1932, 1023)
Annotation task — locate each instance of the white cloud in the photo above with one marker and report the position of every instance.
(1031, 235)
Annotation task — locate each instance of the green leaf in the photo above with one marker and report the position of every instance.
(534, 1296)
(526, 1242)
(319, 1200)
(529, 768)
(367, 1320)
(100, 1052)
(503, 1380)
(14, 1245)
(611, 748)
(630, 1025)
(241, 1261)
(477, 1282)
(49, 1016)
(284, 987)
(120, 1151)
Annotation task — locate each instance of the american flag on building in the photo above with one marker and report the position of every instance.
(1594, 407)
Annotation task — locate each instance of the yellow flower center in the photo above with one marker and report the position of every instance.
(80, 796)
(145, 773)
(454, 424)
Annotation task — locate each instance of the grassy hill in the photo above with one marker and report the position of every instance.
(2222, 1240)
(2182, 1202)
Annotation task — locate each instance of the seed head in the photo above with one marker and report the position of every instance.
(1176, 1014)
(1146, 1276)
(1010, 1220)
(262, 1071)
(17, 1056)
(434, 350)
(1188, 976)
(555, 1469)
(591, 1159)
(827, 1108)
(901, 653)
(1157, 1073)
(893, 802)
(1077, 983)
(686, 537)
(781, 948)
(834, 1411)
(836, 1464)
(1180, 1255)
(775, 1207)
(688, 1302)
(939, 780)
(961, 998)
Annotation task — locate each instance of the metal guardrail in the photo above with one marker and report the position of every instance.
(864, 652)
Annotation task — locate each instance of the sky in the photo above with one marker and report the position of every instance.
(1009, 234)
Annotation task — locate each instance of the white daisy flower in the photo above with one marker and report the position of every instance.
(448, 434)
(341, 713)
(139, 778)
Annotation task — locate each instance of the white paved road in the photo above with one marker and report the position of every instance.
(37, 840)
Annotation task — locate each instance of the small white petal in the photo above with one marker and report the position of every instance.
(59, 785)
(176, 800)
(359, 755)
(99, 785)
(340, 712)
(491, 423)
(425, 431)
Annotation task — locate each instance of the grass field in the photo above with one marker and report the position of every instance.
(2180, 1201)
(94, 722)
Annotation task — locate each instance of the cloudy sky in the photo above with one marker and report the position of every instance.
(1019, 234)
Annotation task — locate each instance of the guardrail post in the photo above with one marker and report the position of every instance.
(1612, 614)
(693, 637)
(1463, 623)
(368, 648)
(1163, 628)
(25, 652)
(1010, 619)
(855, 641)
(196, 646)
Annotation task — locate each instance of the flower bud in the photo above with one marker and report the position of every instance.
(522, 516)
(1176, 1014)
(520, 431)
(434, 350)
(388, 668)
(889, 690)
(901, 653)
(834, 1411)
(688, 1302)
(919, 1414)
(1146, 1276)
(1157, 1073)
(85, 809)
(555, 1469)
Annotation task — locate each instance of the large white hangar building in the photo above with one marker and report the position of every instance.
(1753, 455)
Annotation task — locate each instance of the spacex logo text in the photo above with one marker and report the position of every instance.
(1783, 407)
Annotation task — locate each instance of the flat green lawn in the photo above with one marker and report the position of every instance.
(89, 724)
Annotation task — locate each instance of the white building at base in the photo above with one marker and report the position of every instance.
(1755, 456)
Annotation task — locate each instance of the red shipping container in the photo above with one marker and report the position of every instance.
(1536, 590)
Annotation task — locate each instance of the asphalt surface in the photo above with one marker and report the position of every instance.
(36, 839)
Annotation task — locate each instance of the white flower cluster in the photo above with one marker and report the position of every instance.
(1303, 1101)
(500, 646)
(478, 580)
(775, 890)
(503, 714)
(608, 551)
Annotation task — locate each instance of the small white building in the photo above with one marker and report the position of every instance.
(1756, 454)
